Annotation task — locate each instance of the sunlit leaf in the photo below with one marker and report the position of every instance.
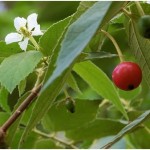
(98, 80)
(16, 67)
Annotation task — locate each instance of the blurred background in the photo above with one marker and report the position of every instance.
(48, 13)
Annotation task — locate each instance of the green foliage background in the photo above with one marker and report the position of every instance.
(81, 60)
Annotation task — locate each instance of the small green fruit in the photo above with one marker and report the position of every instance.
(144, 26)
(70, 104)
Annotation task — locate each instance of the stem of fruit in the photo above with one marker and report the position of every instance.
(115, 44)
(55, 139)
(21, 108)
(139, 8)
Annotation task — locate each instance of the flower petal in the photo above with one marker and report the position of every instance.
(23, 44)
(19, 22)
(32, 21)
(13, 37)
(37, 31)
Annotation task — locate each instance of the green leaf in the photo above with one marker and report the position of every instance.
(8, 50)
(81, 32)
(4, 99)
(21, 87)
(56, 77)
(58, 84)
(84, 6)
(16, 67)
(97, 129)
(98, 80)
(129, 128)
(139, 45)
(29, 143)
(140, 138)
(45, 99)
(4, 116)
(72, 83)
(88, 94)
(74, 120)
(52, 36)
(46, 144)
(140, 48)
(130, 94)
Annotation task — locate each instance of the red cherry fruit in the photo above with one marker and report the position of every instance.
(127, 76)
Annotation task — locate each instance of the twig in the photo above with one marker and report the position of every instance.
(55, 139)
(20, 109)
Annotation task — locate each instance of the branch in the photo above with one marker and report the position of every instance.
(20, 109)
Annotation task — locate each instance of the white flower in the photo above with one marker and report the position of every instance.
(25, 29)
